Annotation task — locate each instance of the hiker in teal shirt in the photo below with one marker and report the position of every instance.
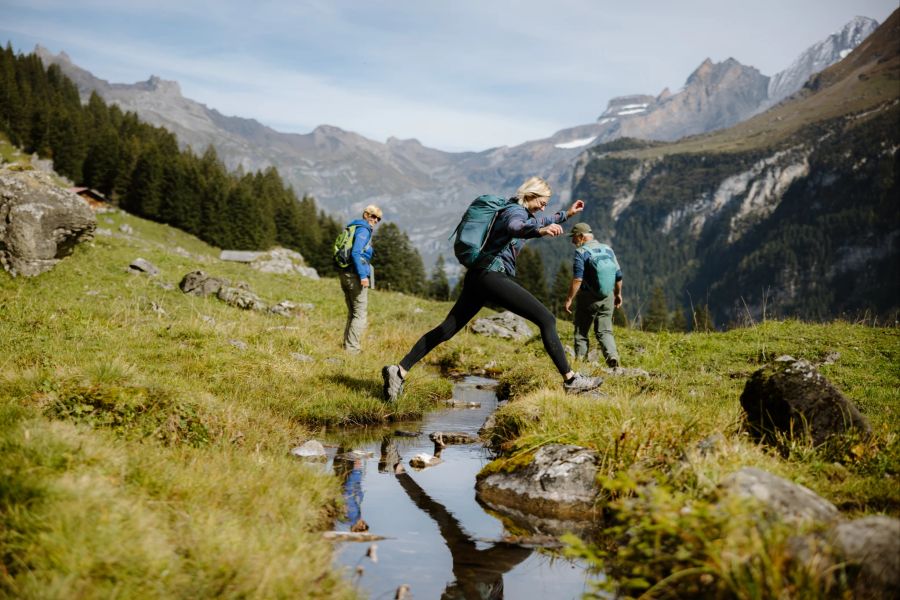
(594, 267)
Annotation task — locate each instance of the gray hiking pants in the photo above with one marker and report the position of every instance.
(591, 310)
(357, 299)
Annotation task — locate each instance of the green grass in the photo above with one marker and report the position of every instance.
(142, 454)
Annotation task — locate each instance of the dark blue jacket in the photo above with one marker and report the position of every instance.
(514, 224)
(362, 251)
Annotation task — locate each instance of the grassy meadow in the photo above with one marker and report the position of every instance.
(144, 454)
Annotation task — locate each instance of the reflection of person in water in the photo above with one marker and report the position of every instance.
(479, 573)
(350, 468)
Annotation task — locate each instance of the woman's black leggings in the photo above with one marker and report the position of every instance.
(480, 287)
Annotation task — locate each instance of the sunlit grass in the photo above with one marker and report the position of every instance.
(144, 454)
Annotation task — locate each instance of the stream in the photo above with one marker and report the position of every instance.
(439, 541)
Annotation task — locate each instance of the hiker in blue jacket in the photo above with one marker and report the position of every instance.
(594, 306)
(356, 278)
(494, 283)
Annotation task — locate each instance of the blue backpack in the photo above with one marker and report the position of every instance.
(471, 235)
(604, 264)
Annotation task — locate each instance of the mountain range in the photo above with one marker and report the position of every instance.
(424, 189)
(792, 212)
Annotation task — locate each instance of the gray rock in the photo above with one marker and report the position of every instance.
(140, 265)
(304, 358)
(789, 397)
(450, 438)
(199, 283)
(311, 450)
(126, 229)
(240, 298)
(782, 499)
(308, 272)
(285, 308)
(558, 484)
(284, 261)
(711, 445)
(238, 344)
(872, 543)
(506, 325)
(424, 460)
(40, 222)
(243, 256)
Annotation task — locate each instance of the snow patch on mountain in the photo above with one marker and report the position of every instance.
(575, 143)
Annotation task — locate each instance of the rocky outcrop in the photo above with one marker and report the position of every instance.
(40, 222)
(506, 325)
(277, 260)
(791, 398)
(783, 500)
(554, 492)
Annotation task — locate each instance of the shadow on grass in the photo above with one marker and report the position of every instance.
(369, 387)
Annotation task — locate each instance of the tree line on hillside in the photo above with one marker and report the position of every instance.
(141, 168)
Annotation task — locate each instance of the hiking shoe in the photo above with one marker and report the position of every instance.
(612, 363)
(579, 384)
(393, 383)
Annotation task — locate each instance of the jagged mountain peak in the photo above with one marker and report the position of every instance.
(818, 57)
(159, 85)
(713, 72)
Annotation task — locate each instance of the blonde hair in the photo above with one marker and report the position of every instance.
(372, 211)
(533, 187)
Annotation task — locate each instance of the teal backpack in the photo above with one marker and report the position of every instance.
(343, 244)
(470, 236)
(605, 266)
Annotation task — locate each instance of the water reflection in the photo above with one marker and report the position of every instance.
(348, 466)
(478, 573)
(436, 538)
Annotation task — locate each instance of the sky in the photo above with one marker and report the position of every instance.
(456, 75)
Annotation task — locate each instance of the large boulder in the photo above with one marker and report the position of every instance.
(790, 397)
(285, 261)
(781, 499)
(505, 325)
(872, 546)
(40, 222)
(555, 492)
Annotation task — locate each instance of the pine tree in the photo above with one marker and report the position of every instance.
(398, 265)
(678, 321)
(530, 273)
(439, 286)
(657, 318)
(560, 291)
